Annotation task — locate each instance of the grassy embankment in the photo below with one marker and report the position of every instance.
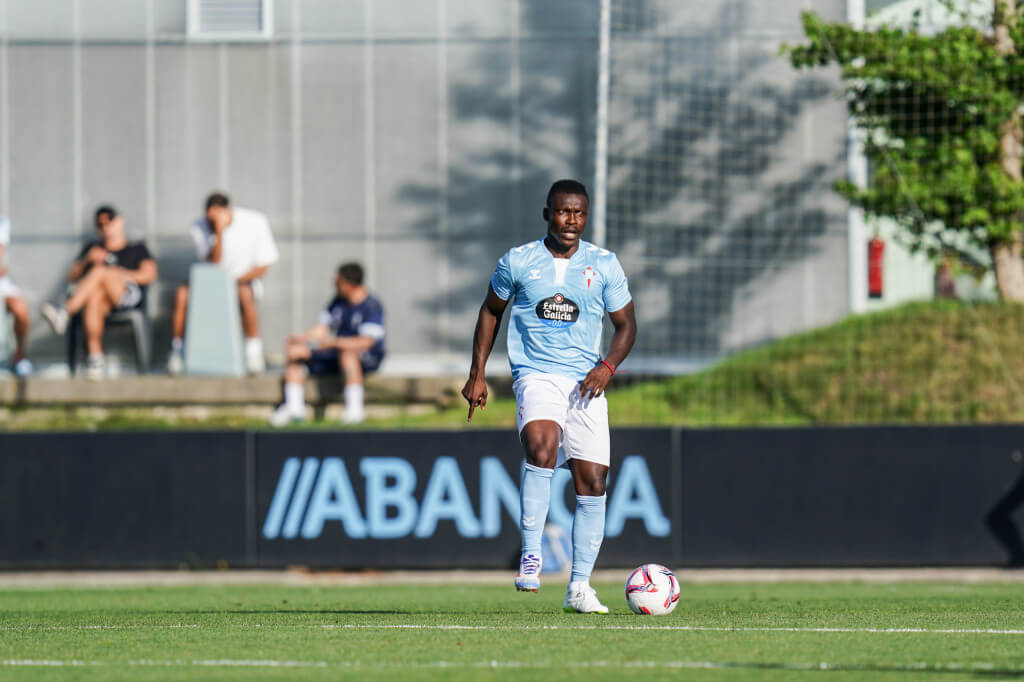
(924, 362)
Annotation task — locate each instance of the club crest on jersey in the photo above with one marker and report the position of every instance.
(589, 274)
(558, 311)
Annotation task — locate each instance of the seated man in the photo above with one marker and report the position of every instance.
(110, 273)
(349, 338)
(240, 241)
(10, 297)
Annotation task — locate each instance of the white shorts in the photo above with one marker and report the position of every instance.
(7, 289)
(584, 422)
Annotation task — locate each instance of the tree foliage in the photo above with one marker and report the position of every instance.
(932, 108)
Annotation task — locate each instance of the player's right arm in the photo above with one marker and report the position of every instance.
(487, 323)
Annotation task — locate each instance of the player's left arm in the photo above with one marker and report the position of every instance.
(624, 321)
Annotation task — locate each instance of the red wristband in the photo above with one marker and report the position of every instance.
(609, 366)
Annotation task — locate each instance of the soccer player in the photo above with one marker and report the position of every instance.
(559, 287)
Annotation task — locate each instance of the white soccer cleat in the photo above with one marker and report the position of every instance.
(528, 579)
(57, 317)
(283, 416)
(583, 599)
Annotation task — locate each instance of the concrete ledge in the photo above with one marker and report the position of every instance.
(257, 390)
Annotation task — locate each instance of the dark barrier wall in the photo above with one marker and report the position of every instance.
(857, 496)
(729, 497)
(109, 499)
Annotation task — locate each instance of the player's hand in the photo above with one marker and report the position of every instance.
(97, 255)
(595, 382)
(220, 220)
(475, 393)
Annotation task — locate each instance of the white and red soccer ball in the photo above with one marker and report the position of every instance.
(652, 590)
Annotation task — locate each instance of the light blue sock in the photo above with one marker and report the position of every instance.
(587, 535)
(534, 497)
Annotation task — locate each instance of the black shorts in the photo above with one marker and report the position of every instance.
(325, 362)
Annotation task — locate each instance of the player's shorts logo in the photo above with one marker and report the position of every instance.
(558, 311)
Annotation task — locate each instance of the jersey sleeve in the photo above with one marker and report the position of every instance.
(324, 317)
(5, 231)
(144, 253)
(373, 322)
(616, 288)
(502, 282)
(201, 239)
(266, 249)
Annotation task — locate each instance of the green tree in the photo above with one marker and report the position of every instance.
(941, 116)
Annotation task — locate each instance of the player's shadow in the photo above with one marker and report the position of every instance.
(1000, 522)
(302, 612)
(340, 611)
(961, 670)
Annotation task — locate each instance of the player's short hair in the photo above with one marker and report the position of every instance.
(105, 209)
(351, 273)
(567, 186)
(217, 199)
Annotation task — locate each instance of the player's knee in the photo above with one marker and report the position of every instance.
(541, 447)
(245, 296)
(181, 296)
(594, 487)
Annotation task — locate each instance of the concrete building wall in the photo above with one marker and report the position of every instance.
(420, 138)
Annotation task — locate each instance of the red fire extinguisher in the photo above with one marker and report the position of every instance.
(876, 249)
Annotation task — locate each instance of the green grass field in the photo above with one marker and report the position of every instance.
(718, 632)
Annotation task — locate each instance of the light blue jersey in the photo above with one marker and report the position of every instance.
(558, 306)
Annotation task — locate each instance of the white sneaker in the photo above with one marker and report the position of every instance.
(352, 416)
(24, 368)
(282, 416)
(94, 368)
(254, 362)
(528, 579)
(57, 317)
(582, 599)
(176, 363)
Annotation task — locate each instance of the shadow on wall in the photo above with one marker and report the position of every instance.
(521, 116)
(713, 183)
(717, 181)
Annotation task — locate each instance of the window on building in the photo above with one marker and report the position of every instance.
(230, 19)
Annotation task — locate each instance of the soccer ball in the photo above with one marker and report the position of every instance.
(652, 590)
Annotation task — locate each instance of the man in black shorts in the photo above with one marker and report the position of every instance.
(110, 273)
(348, 339)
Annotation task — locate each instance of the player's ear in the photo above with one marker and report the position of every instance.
(547, 214)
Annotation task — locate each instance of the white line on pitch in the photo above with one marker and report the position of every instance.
(127, 626)
(682, 628)
(710, 665)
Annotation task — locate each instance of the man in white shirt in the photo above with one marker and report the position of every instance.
(11, 298)
(240, 241)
